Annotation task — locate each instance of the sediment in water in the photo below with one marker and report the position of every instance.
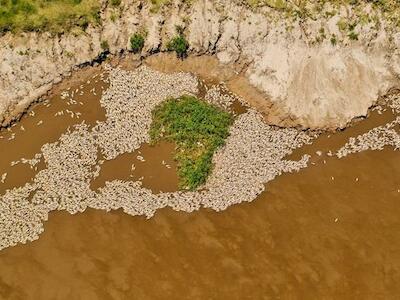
(379, 137)
(253, 155)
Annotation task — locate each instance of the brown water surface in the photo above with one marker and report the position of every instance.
(41, 125)
(153, 165)
(327, 232)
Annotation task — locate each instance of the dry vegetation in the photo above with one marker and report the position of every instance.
(60, 15)
(390, 9)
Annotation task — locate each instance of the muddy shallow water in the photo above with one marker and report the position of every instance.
(327, 232)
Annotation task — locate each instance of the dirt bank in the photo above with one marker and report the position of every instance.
(307, 80)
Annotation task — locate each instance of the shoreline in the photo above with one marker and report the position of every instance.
(204, 66)
(311, 85)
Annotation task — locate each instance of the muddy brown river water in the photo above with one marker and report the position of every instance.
(330, 231)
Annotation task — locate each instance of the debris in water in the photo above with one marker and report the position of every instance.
(14, 162)
(253, 155)
(140, 158)
(3, 177)
(375, 139)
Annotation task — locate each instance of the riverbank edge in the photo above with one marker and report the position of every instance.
(296, 83)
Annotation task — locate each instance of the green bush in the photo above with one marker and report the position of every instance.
(198, 130)
(179, 45)
(137, 42)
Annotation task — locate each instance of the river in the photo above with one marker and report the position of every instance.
(329, 231)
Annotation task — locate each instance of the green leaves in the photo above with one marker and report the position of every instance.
(137, 42)
(179, 45)
(198, 129)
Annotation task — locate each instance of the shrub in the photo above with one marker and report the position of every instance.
(198, 130)
(333, 40)
(342, 24)
(104, 45)
(115, 2)
(179, 45)
(353, 36)
(157, 4)
(137, 42)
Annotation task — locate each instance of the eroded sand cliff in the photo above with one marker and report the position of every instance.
(307, 81)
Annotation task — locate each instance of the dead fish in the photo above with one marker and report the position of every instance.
(3, 177)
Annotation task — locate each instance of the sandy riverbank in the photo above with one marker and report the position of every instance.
(305, 80)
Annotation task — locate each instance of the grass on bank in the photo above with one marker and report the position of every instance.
(156, 5)
(384, 5)
(311, 9)
(56, 16)
(47, 15)
(198, 129)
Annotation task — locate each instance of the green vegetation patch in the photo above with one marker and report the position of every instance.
(137, 42)
(47, 15)
(179, 44)
(198, 129)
